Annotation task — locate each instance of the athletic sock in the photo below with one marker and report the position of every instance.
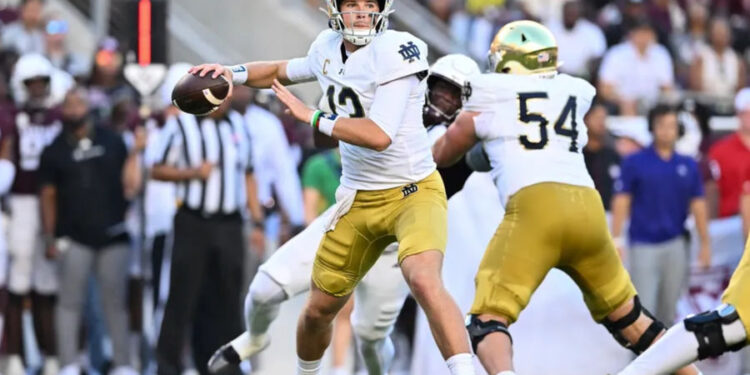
(461, 364)
(308, 367)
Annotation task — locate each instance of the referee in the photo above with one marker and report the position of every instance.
(210, 159)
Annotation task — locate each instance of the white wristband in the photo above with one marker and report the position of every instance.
(326, 123)
(239, 74)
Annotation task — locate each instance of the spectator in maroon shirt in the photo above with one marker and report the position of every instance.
(31, 276)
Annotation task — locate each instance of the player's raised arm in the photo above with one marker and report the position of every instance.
(257, 74)
(456, 141)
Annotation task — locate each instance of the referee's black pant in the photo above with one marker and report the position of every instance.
(205, 288)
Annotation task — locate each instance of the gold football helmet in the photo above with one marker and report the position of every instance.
(523, 47)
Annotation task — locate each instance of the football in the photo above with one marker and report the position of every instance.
(199, 95)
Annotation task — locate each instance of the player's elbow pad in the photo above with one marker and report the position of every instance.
(477, 159)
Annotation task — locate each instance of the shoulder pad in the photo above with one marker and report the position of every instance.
(487, 89)
(325, 37)
(398, 54)
(585, 88)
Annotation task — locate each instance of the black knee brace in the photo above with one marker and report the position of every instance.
(648, 337)
(708, 329)
(479, 329)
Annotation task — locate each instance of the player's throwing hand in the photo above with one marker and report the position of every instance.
(218, 70)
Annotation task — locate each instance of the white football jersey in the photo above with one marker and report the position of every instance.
(532, 128)
(349, 89)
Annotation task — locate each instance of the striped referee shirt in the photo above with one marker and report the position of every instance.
(187, 141)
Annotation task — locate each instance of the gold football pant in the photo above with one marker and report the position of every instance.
(738, 291)
(551, 225)
(414, 215)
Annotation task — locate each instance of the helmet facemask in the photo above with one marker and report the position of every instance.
(358, 36)
(443, 100)
(37, 88)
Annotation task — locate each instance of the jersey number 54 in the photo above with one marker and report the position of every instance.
(528, 117)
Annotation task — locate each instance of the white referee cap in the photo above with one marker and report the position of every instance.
(742, 100)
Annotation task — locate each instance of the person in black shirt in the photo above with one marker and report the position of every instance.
(86, 177)
(602, 161)
(210, 158)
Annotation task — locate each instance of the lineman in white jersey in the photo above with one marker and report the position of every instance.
(530, 121)
(380, 295)
(373, 79)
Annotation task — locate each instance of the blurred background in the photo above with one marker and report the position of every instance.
(690, 54)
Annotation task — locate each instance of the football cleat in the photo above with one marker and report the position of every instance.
(236, 351)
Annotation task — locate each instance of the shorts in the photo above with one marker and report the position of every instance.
(413, 215)
(551, 225)
(29, 268)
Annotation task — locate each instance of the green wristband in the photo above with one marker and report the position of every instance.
(314, 119)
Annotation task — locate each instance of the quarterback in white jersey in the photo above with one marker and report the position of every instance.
(530, 121)
(380, 295)
(373, 80)
(349, 82)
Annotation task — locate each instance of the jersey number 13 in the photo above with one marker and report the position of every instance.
(345, 95)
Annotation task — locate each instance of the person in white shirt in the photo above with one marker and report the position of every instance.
(26, 35)
(581, 42)
(56, 47)
(636, 72)
(717, 69)
(273, 161)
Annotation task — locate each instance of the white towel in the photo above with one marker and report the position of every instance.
(344, 200)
